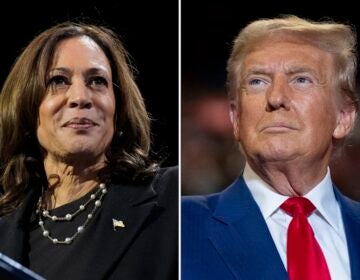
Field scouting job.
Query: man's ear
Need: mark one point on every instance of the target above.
(234, 118)
(345, 121)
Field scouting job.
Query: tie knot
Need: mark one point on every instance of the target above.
(295, 206)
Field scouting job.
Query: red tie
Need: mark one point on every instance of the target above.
(305, 260)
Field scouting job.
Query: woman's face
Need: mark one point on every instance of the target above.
(76, 117)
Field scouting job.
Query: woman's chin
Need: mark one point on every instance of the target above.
(80, 155)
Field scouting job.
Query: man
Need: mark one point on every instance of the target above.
(292, 95)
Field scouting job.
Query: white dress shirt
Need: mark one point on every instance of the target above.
(326, 221)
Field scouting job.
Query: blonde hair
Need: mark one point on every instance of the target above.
(335, 38)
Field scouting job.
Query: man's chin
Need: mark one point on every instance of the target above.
(278, 154)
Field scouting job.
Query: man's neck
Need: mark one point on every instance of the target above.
(289, 178)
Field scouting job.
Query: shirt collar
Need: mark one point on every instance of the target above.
(323, 198)
(269, 201)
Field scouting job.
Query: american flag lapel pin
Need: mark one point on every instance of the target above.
(118, 224)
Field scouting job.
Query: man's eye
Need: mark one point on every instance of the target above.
(303, 83)
(255, 82)
(303, 80)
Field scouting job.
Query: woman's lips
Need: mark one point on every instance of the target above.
(80, 123)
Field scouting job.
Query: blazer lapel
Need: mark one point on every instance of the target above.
(240, 235)
(129, 207)
(351, 218)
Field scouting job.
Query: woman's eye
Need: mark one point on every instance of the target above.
(97, 82)
(58, 81)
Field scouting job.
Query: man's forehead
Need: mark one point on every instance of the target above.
(288, 56)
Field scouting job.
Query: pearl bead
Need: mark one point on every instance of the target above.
(102, 190)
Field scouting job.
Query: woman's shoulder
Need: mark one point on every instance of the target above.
(163, 185)
(166, 179)
(167, 174)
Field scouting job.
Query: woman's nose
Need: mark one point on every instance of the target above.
(79, 96)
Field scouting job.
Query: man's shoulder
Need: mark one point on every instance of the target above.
(347, 204)
(194, 207)
(206, 204)
(196, 212)
(353, 203)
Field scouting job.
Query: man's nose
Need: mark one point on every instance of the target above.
(278, 95)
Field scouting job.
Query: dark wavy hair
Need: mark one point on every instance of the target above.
(21, 162)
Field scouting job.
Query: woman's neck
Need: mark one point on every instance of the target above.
(68, 181)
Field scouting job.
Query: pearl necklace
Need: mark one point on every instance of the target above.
(68, 217)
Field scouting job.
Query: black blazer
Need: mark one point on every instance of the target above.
(146, 248)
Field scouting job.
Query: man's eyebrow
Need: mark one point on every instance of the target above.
(300, 69)
(257, 69)
(264, 70)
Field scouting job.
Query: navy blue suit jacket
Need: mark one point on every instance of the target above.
(224, 236)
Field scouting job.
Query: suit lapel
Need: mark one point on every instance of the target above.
(240, 235)
(351, 218)
(132, 206)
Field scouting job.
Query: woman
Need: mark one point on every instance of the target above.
(81, 199)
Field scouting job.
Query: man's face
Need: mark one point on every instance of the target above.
(287, 107)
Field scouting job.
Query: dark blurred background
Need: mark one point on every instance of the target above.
(149, 31)
(210, 156)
